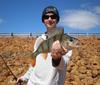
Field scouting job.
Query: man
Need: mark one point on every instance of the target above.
(49, 69)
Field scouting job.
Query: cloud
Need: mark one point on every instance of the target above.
(86, 5)
(97, 9)
(80, 19)
(1, 21)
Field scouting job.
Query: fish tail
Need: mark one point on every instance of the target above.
(33, 62)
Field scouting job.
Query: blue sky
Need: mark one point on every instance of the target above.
(24, 16)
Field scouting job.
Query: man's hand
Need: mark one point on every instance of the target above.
(19, 81)
(56, 50)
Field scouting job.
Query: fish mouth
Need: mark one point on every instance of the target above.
(69, 42)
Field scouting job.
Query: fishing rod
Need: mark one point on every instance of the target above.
(18, 83)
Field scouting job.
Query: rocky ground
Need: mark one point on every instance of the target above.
(83, 68)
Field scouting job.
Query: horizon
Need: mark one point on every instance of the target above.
(38, 34)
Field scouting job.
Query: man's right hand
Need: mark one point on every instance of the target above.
(19, 81)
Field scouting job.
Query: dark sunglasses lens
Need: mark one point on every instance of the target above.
(47, 17)
(53, 17)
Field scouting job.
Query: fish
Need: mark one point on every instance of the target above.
(58, 34)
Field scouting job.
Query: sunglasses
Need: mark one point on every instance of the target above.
(51, 16)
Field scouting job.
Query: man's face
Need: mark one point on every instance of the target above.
(50, 20)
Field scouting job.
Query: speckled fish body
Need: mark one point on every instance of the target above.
(45, 46)
(58, 34)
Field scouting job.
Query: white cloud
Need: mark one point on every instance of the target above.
(86, 5)
(1, 21)
(80, 19)
(97, 9)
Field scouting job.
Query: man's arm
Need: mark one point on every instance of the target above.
(59, 54)
(26, 76)
(56, 52)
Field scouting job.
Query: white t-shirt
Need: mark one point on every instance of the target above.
(44, 73)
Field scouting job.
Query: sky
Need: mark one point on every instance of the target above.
(24, 16)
